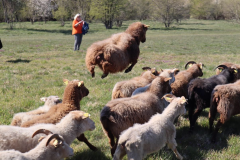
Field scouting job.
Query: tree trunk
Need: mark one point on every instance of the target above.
(5, 11)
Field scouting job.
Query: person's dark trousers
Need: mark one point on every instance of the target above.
(78, 40)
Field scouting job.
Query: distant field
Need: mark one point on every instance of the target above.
(35, 59)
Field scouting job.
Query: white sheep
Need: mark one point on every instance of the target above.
(70, 127)
(22, 117)
(53, 147)
(142, 139)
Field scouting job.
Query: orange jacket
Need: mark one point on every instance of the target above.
(77, 29)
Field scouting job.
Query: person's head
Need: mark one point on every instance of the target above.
(77, 17)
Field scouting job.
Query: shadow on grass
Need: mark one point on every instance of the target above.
(179, 28)
(90, 155)
(19, 61)
(195, 24)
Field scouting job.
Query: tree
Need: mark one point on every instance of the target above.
(141, 9)
(106, 10)
(167, 11)
(231, 9)
(61, 14)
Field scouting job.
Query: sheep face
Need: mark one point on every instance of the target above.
(75, 89)
(138, 30)
(83, 119)
(51, 100)
(61, 148)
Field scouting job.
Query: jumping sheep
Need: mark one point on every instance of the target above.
(225, 100)
(142, 139)
(200, 90)
(53, 147)
(125, 88)
(73, 93)
(120, 114)
(70, 127)
(114, 54)
(182, 79)
(22, 117)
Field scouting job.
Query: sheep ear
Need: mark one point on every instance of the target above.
(167, 79)
(40, 138)
(65, 81)
(55, 143)
(146, 68)
(201, 66)
(235, 71)
(168, 97)
(147, 26)
(85, 115)
(183, 100)
(175, 71)
(43, 99)
(80, 84)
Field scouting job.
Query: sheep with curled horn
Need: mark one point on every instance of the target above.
(182, 79)
(50, 147)
(126, 88)
(228, 64)
(114, 54)
(200, 90)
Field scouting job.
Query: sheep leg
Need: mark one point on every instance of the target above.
(211, 116)
(113, 149)
(173, 145)
(82, 138)
(106, 66)
(218, 125)
(130, 68)
(194, 118)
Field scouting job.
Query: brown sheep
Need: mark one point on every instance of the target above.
(228, 64)
(180, 85)
(114, 54)
(73, 93)
(126, 88)
(120, 114)
(224, 100)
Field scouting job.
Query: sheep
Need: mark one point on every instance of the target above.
(142, 139)
(22, 117)
(49, 148)
(224, 100)
(164, 73)
(228, 64)
(180, 85)
(114, 54)
(73, 93)
(120, 114)
(70, 127)
(125, 88)
(199, 91)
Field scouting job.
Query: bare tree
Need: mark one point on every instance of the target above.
(167, 11)
(231, 9)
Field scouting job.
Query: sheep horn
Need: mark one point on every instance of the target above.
(47, 132)
(190, 62)
(147, 26)
(223, 66)
(52, 137)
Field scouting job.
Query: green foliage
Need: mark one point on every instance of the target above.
(61, 14)
(35, 58)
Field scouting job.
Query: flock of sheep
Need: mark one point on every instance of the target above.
(138, 120)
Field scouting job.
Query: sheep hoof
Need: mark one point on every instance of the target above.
(104, 75)
(93, 75)
(128, 70)
(94, 148)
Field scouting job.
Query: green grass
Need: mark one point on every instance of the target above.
(35, 59)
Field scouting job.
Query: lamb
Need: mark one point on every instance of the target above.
(73, 93)
(229, 65)
(142, 139)
(199, 91)
(180, 85)
(125, 88)
(70, 127)
(49, 148)
(164, 73)
(114, 54)
(224, 100)
(120, 114)
(22, 117)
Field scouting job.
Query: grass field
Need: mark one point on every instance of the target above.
(36, 58)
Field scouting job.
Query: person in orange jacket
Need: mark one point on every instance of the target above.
(77, 31)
